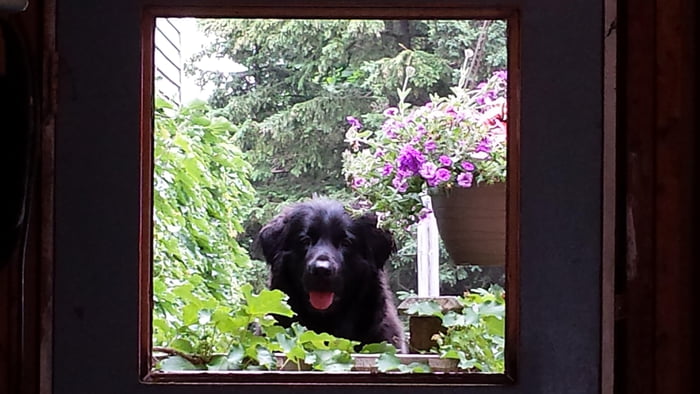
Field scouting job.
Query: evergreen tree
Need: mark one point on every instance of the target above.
(302, 78)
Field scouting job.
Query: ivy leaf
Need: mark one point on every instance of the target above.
(495, 326)
(182, 345)
(492, 309)
(235, 356)
(264, 357)
(316, 340)
(268, 301)
(332, 360)
(377, 348)
(425, 308)
(388, 362)
(177, 363)
(452, 319)
(190, 314)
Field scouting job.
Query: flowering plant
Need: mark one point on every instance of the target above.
(454, 141)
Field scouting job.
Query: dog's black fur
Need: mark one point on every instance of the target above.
(317, 246)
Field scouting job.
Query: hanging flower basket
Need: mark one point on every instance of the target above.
(472, 223)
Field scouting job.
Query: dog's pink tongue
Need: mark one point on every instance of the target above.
(321, 300)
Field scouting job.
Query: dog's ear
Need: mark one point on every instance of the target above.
(379, 241)
(271, 237)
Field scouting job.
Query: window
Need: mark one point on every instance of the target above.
(285, 98)
(554, 307)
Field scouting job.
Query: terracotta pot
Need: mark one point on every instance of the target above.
(472, 223)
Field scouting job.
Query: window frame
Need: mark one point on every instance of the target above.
(509, 14)
(98, 171)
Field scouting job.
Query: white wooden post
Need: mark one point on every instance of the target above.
(428, 254)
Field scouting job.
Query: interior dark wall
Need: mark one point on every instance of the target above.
(656, 331)
(97, 199)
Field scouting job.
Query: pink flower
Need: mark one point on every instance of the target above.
(391, 111)
(468, 166)
(445, 160)
(387, 169)
(358, 182)
(442, 175)
(465, 179)
(428, 170)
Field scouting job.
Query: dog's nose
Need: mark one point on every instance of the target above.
(321, 267)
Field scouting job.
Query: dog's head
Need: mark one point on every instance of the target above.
(317, 252)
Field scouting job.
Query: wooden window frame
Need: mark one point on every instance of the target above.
(308, 11)
(98, 201)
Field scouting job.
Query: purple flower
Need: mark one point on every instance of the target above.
(451, 112)
(428, 170)
(399, 184)
(465, 179)
(379, 153)
(389, 128)
(420, 130)
(410, 159)
(445, 160)
(484, 146)
(468, 166)
(442, 175)
(430, 146)
(391, 111)
(358, 182)
(387, 170)
(501, 74)
(354, 122)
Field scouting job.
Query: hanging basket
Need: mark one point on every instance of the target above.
(472, 223)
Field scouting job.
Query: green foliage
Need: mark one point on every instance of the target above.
(200, 193)
(475, 335)
(303, 77)
(275, 135)
(250, 338)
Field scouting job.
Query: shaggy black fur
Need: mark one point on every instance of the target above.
(317, 248)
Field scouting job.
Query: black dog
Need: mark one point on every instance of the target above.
(331, 267)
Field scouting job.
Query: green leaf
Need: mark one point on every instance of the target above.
(264, 357)
(268, 301)
(177, 363)
(388, 362)
(495, 325)
(332, 360)
(182, 345)
(219, 363)
(376, 348)
(425, 308)
(416, 367)
(235, 356)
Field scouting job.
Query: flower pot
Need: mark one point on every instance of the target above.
(472, 223)
(422, 328)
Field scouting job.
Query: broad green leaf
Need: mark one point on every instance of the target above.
(177, 363)
(376, 348)
(182, 345)
(190, 314)
(425, 308)
(388, 362)
(268, 301)
(495, 326)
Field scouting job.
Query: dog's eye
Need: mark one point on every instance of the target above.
(305, 240)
